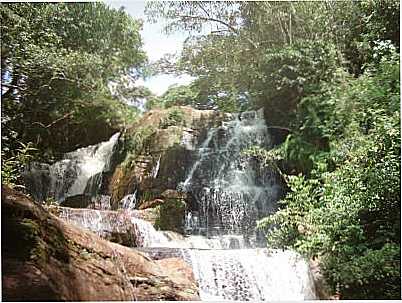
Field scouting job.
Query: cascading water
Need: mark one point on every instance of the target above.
(112, 224)
(251, 274)
(229, 192)
(129, 201)
(78, 173)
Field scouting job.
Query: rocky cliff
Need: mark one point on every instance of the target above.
(158, 151)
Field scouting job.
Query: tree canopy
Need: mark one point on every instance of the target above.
(271, 53)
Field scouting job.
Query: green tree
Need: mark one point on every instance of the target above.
(346, 209)
(232, 47)
(178, 95)
(57, 59)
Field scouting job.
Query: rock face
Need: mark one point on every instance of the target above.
(168, 139)
(47, 259)
(122, 227)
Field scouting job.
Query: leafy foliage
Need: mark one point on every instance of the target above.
(271, 54)
(179, 95)
(13, 166)
(57, 59)
(175, 117)
(328, 72)
(347, 211)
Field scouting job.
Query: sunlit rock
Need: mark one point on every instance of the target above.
(47, 259)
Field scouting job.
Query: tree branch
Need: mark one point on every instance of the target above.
(10, 86)
(279, 127)
(230, 27)
(203, 9)
(55, 121)
(60, 119)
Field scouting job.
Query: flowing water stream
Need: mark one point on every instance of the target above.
(230, 192)
(78, 173)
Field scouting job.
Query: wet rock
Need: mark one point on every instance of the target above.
(115, 226)
(124, 182)
(322, 288)
(171, 215)
(100, 202)
(173, 236)
(110, 225)
(151, 204)
(167, 151)
(58, 261)
(162, 252)
(278, 134)
(169, 194)
(173, 194)
(78, 201)
(178, 266)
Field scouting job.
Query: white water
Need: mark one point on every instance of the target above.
(129, 201)
(94, 220)
(100, 202)
(251, 274)
(227, 270)
(201, 242)
(155, 169)
(104, 223)
(201, 157)
(231, 192)
(146, 235)
(78, 173)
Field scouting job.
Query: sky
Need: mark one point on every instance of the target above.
(156, 44)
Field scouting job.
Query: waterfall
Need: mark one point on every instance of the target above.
(129, 201)
(155, 169)
(146, 235)
(79, 172)
(201, 242)
(96, 221)
(109, 224)
(231, 193)
(251, 274)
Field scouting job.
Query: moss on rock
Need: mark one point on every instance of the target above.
(171, 215)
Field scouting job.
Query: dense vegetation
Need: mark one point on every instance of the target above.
(329, 72)
(57, 61)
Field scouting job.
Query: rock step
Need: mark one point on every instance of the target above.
(116, 226)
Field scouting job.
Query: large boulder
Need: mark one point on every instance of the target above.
(170, 215)
(122, 226)
(47, 259)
